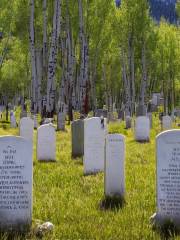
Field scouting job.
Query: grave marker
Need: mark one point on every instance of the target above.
(26, 127)
(77, 134)
(94, 145)
(46, 143)
(142, 129)
(166, 122)
(15, 183)
(168, 178)
(114, 165)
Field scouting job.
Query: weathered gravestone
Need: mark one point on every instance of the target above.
(26, 127)
(168, 178)
(46, 143)
(13, 120)
(77, 134)
(61, 121)
(166, 122)
(128, 122)
(114, 165)
(94, 144)
(141, 110)
(15, 183)
(142, 129)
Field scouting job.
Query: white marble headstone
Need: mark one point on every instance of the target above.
(114, 165)
(168, 177)
(15, 182)
(94, 145)
(142, 129)
(166, 122)
(46, 143)
(26, 128)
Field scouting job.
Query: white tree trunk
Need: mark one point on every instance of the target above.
(39, 77)
(33, 57)
(144, 76)
(53, 56)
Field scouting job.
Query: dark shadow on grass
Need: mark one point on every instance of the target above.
(77, 161)
(112, 203)
(167, 231)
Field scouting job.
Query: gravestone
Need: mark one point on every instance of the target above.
(61, 121)
(142, 129)
(154, 100)
(13, 120)
(141, 110)
(166, 122)
(150, 119)
(77, 134)
(168, 178)
(26, 127)
(121, 114)
(114, 165)
(128, 122)
(46, 143)
(94, 143)
(15, 183)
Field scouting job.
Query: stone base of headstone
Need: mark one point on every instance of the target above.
(161, 222)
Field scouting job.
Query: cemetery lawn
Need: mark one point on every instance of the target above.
(71, 201)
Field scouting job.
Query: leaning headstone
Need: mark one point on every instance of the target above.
(142, 129)
(114, 165)
(94, 143)
(61, 119)
(168, 178)
(166, 122)
(15, 183)
(13, 120)
(128, 122)
(26, 127)
(141, 110)
(46, 143)
(77, 133)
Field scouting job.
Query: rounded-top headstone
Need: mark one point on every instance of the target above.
(26, 127)
(142, 129)
(46, 143)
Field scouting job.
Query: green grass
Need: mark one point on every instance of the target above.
(73, 202)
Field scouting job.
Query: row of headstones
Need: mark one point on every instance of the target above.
(61, 118)
(16, 170)
(106, 152)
